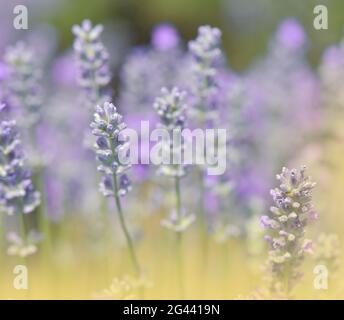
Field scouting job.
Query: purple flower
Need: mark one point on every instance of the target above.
(24, 83)
(64, 71)
(205, 57)
(139, 87)
(291, 34)
(165, 37)
(108, 124)
(111, 150)
(331, 76)
(265, 222)
(333, 56)
(4, 71)
(92, 61)
(171, 107)
(287, 223)
(17, 194)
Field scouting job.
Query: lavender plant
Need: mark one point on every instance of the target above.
(111, 150)
(285, 66)
(93, 62)
(235, 103)
(25, 98)
(288, 222)
(331, 77)
(93, 69)
(206, 54)
(170, 107)
(25, 91)
(164, 55)
(17, 193)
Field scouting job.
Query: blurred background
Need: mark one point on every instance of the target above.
(306, 82)
(246, 24)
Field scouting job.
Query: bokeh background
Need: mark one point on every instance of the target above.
(247, 25)
(80, 267)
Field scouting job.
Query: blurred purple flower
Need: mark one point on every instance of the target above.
(170, 107)
(165, 37)
(64, 71)
(211, 203)
(139, 87)
(291, 34)
(333, 56)
(92, 60)
(24, 83)
(205, 55)
(17, 194)
(4, 71)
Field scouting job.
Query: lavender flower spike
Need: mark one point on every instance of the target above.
(107, 127)
(171, 108)
(92, 59)
(24, 83)
(17, 194)
(206, 53)
(111, 153)
(287, 223)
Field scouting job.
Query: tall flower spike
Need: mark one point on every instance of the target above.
(287, 223)
(93, 61)
(24, 83)
(17, 194)
(111, 150)
(171, 107)
(206, 53)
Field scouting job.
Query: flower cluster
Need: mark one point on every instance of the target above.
(331, 76)
(17, 194)
(24, 83)
(111, 150)
(138, 87)
(206, 54)
(171, 107)
(93, 61)
(288, 221)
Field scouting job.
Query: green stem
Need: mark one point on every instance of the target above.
(179, 237)
(203, 218)
(178, 198)
(124, 228)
